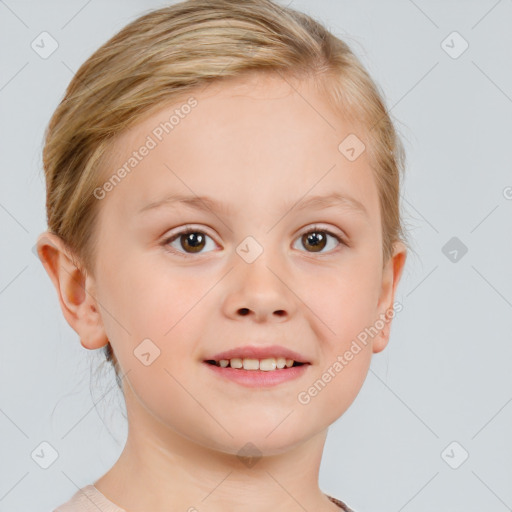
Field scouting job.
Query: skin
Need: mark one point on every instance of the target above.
(253, 144)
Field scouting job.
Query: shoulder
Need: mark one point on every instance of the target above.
(79, 502)
(341, 504)
(88, 499)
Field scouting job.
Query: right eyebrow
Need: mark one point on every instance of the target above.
(196, 202)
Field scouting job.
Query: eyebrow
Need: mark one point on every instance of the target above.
(205, 203)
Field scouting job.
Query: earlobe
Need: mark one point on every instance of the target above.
(75, 290)
(390, 278)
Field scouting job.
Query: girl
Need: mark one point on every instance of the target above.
(223, 220)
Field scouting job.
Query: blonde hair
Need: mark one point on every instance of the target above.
(168, 53)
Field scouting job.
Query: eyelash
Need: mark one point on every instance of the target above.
(314, 229)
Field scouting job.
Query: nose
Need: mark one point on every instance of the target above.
(259, 292)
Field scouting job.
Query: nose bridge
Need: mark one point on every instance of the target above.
(257, 273)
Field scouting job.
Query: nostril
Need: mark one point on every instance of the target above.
(244, 311)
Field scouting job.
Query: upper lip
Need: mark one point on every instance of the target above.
(259, 352)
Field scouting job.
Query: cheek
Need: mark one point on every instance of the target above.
(337, 382)
(169, 395)
(151, 300)
(345, 305)
(343, 300)
(145, 310)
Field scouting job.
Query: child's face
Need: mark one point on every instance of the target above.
(259, 149)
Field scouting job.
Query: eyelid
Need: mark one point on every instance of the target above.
(185, 229)
(318, 227)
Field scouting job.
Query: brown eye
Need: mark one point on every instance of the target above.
(190, 241)
(315, 240)
(194, 241)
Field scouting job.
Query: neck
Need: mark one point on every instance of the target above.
(160, 469)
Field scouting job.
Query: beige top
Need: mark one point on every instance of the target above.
(89, 499)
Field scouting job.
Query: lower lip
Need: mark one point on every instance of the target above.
(259, 378)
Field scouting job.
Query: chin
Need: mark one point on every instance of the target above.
(261, 439)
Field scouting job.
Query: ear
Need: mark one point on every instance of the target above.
(74, 288)
(391, 274)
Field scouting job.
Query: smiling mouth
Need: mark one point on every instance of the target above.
(269, 364)
(257, 373)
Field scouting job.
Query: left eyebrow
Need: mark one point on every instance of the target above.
(205, 203)
(333, 199)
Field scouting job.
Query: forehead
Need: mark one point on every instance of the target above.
(258, 135)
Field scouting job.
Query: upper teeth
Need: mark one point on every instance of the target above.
(266, 365)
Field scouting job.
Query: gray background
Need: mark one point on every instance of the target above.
(445, 376)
